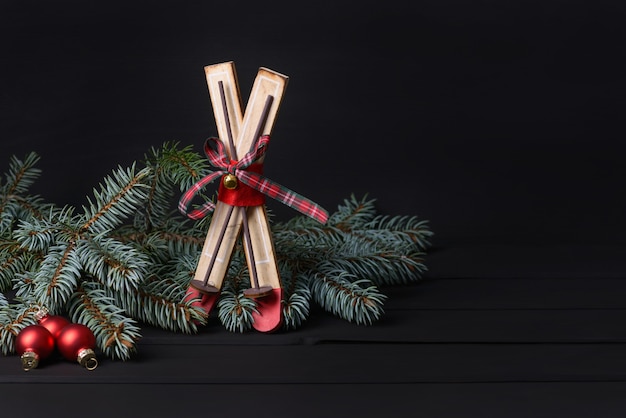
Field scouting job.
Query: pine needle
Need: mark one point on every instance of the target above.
(127, 257)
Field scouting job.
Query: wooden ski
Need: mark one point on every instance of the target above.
(227, 222)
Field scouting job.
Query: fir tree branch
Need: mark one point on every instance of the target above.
(58, 277)
(182, 166)
(120, 195)
(171, 167)
(111, 274)
(297, 299)
(13, 204)
(158, 199)
(343, 294)
(397, 230)
(160, 303)
(14, 263)
(353, 214)
(180, 242)
(116, 335)
(13, 319)
(381, 268)
(21, 175)
(39, 234)
(234, 309)
(116, 265)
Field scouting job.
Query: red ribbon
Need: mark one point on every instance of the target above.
(242, 195)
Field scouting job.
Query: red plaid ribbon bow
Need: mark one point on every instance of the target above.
(219, 159)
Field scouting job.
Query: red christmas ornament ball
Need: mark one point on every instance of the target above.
(34, 343)
(54, 324)
(76, 342)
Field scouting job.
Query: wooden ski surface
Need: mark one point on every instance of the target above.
(243, 128)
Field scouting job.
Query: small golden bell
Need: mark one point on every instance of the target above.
(230, 181)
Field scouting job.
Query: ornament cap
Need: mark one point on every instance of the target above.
(30, 360)
(41, 313)
(87, 358)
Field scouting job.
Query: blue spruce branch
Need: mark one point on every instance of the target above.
(128, 257)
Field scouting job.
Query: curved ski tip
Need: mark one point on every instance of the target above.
(206, 300)
(269, 317)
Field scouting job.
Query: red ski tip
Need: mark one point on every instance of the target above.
(207, 300)
(269, 317)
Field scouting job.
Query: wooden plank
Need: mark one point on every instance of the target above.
(217, 272)
(225, 74)
(267, 83)
(471, 327)
(309, 400)
(528, 262)
(512, 293)
(428, 326)
(343, 364)
(479, 326)
(243, 127)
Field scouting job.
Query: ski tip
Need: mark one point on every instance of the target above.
(206, 301)
(269, 317)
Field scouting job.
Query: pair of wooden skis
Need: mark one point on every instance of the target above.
(239, 131)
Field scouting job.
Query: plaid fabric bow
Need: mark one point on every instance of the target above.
(219, 159)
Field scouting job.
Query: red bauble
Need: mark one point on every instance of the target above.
(54, 324)
(76, 342)
(33, 343)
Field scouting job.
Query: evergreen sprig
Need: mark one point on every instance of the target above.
(116, 334)
(345, 262)
(15, 203)
(160, 302)
(173, 168)
(344, 294)
(297, 298)
(119, 197)
(126, 257)
(13, 319)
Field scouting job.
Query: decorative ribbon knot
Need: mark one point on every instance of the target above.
(252, 186)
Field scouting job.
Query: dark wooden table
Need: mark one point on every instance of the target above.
(490, 332)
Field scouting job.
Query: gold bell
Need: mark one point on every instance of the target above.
(230, 181)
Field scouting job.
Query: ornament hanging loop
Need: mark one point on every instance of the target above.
(87, 358)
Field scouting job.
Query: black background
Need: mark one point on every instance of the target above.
(500, 122)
